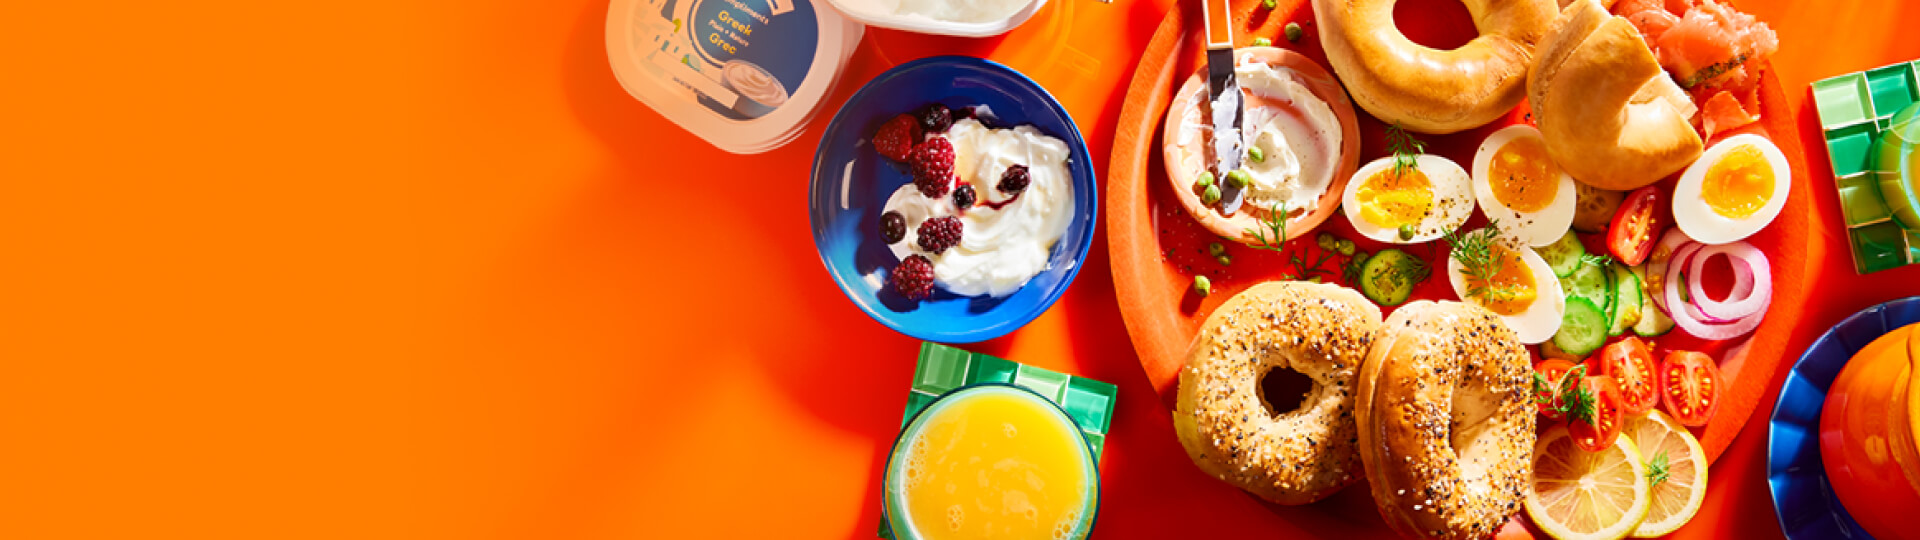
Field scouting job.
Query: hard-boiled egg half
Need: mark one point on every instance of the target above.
(1512, 281)
(1411, 205)
(1736, 188)
(1521, 188)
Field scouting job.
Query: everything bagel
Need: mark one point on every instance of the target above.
(1288, 457)
(1426, 89)
(1446, 421)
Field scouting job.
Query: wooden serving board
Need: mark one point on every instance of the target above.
(1157, 247)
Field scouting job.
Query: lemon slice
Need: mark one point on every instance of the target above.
(1677, 498)
(1580, 495)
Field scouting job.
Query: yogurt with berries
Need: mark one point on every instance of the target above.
(1009, 192)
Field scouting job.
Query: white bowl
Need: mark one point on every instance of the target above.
(877, 13)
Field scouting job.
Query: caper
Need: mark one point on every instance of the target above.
(1224, 259)
(1206, 179)
(1326, 241)
(1344, 246)
(1262, 42)
(1270, 4)
(1238, 178)
(1211, 195)
(1216, 249)
(1202, 286)
(1256, 154)
(1406, 233)
(1293, 31)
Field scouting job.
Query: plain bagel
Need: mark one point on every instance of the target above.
(1426, 89)
(1446, 421)
(1611, 117)
(1222, 418)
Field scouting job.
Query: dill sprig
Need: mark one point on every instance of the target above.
(1276, 223)
(1406, 150)
(1576, 402)
(1657, 469)
(1303, 270)
(1600, 261)
(1474, 250)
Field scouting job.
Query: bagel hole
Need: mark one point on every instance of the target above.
(1440, 24)
(1472, 410)
(1283, 391)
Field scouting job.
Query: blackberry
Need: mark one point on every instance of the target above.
(932, 163)
(938, 234)
(893, 227)
(963, 196)
(936, 118)
(914, 277)
(1015, 179)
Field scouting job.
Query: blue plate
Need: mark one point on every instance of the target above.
(1802, 498)
(851, 183)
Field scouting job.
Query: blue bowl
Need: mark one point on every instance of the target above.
(1802, 498)
(851, 183)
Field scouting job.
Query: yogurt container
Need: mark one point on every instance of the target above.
(746, 75)
(968, 18)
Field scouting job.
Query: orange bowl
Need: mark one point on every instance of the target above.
(1867, 435)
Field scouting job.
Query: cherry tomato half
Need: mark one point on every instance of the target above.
(1595, 431)
(1637, 225)
(1546, 387)
(1630, 363)
(1691, 383)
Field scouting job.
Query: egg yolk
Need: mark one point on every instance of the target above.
(1512, 289)
(1739, 184)
(1389, 200)
(1522, 177)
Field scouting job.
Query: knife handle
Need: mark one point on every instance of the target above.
(1219, 20)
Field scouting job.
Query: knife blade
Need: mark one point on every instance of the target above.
(1223, 100)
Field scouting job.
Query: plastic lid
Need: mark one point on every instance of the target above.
(746, 75)
(883, 13)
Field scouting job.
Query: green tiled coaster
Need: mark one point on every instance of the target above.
(942, 369)
(1855, 109)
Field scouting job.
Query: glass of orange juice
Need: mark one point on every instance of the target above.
(991, 461)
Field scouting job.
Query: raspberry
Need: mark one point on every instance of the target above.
(1015, 179)
(893, 227)
(914, 277)
(963, 196)
(933, 166)
(936, 118)
(895, 138)
(938, 234)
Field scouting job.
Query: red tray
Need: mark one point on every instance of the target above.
(1157, 248)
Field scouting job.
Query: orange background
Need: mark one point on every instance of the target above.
(371, 270)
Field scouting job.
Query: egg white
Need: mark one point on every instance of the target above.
(1452, 204)
(1541, 319)
(1536, 228)
(1698, 220)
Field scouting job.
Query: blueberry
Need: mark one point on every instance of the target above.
(936, 118)
(893, 227)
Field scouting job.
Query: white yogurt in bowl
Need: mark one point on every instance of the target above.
(1006, 238)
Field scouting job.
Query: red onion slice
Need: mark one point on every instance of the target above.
(1658, 261)
(1692, 319)
(1676, 266)
(1752, 286)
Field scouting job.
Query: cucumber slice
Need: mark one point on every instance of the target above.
(1549, 350)
(1590, 282)
(1388, 277)
(1583, 329)
(1563, 254)
(1653, 322)
(1627, 297)
(1594, 207)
